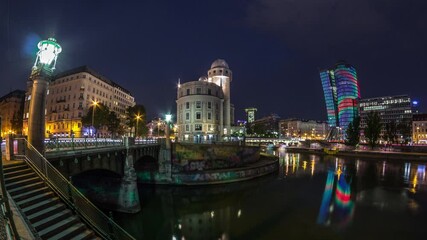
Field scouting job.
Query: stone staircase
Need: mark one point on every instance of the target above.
(48, 215)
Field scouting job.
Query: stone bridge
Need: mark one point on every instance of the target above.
(73, 162)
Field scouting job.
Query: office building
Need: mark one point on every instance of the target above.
(342, 94)
(250, 114)
(391, 109)
(301, 128)
(71, 94)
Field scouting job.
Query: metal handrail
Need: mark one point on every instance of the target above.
(100, 223)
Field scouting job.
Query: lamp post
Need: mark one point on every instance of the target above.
(168, 119)
(138, 117)
(158, 128)
(40, 77)
(94, 104)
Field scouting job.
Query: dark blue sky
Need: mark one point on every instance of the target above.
(274, 47)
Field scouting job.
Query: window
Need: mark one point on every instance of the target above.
(209, 91)
(188, 91)
(187, 105)
(198, 104)
(198, 115)
(209, 105)
(187, 128)
(198, 90)
(198, 127)
(187, 116)
(209, 116)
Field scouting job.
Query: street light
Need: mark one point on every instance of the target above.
(94, 104)
(138, 117)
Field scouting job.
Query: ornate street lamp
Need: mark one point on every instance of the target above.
(40, 77)
(47, 54)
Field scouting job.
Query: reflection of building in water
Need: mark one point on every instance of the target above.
(337, 204)
(295, 165)
(213, 224)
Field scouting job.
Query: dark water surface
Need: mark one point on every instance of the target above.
(311, 197)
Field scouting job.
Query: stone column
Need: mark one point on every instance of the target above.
(36, 119)
(165, 157)
(128, 201)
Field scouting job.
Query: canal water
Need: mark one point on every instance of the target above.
(310, 197)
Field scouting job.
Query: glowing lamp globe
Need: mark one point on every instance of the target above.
(47, 54)
(168, 117)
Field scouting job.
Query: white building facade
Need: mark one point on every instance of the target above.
(204, 111)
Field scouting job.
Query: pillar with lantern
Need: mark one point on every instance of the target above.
(41, 75)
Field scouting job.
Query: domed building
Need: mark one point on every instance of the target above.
(204, 111)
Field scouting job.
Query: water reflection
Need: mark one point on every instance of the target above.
(311, 197)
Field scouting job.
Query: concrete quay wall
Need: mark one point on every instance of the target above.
(386, 155)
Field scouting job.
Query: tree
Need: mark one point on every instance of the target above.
(102, 118)
(353, 132)
(404, 128)
(16, 122)
(113, 124)
(373, 129)
(390, 131)
(132, 122)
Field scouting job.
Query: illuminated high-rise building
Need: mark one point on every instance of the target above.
(342, 95)
(250, 113)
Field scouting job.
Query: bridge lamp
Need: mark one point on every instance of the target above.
(94, 104)
(47, 54)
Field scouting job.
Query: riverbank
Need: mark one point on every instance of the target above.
(387, 155)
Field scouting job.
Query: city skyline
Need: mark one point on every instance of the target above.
(274, 53)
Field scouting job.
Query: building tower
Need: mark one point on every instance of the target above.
(341, 91)
(221, 75)
(348, 93)
(250, 114)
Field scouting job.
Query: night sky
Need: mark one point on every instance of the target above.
(273, 47)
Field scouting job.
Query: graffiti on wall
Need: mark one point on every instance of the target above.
(224, 176)
(197, 157)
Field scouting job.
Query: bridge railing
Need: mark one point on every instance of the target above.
(80, 143)
(86, 143)
(91, 215)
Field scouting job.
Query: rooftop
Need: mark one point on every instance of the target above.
(93, 73)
